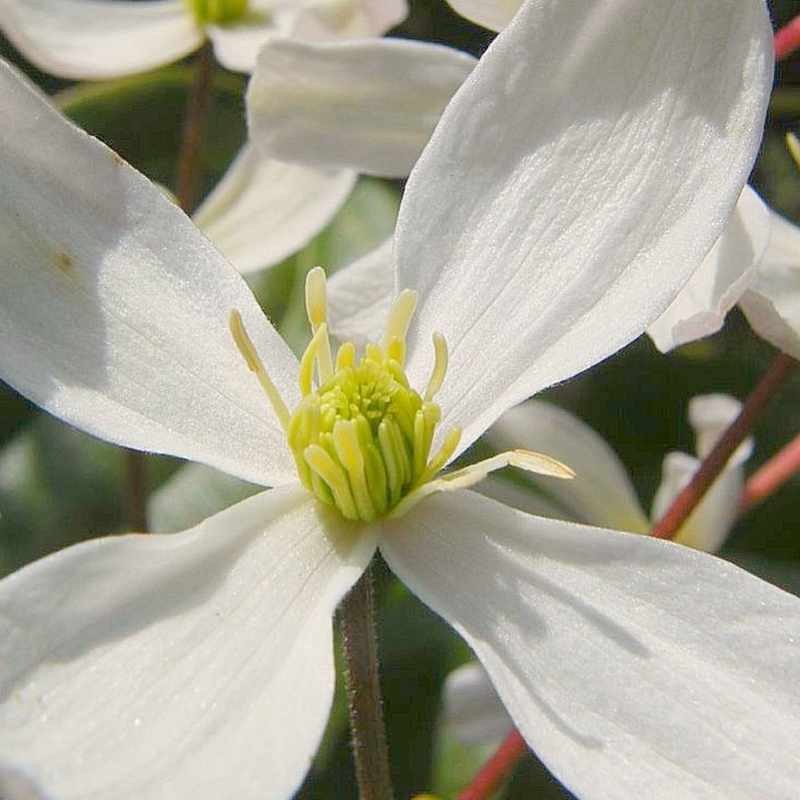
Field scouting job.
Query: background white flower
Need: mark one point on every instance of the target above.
(97, 39)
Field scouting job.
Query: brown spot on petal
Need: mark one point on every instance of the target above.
(63, 262)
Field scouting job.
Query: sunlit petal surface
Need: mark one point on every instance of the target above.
(197, 664)
(633, 667)
(562, 202)
(114, 310)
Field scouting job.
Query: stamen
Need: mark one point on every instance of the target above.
(400, 318)
(334, 476)
(439, 367)
(474, 473)
(248, 351)
(305, 374)
(317, 311)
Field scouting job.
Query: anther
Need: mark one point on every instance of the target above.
(256, 365)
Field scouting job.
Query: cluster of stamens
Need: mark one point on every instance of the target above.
(361, 436)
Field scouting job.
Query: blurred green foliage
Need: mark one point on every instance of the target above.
(59, 486)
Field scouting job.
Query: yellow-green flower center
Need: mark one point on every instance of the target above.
(362, 438)
(217, 12)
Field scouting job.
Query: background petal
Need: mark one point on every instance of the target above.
(360, 297)
(772, 306)
(368, 105)
(491, 14)
(601, 493)
(264, 210)
(114, 309)
(726, 272)
(574, 184)
(633, 667)
(197, 664)
(95, 39)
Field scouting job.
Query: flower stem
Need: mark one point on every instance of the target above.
(497, 768)
(136, 464)
(787, 39)
(766, 480)
(189, 158)
(367, 728)
(715, 462)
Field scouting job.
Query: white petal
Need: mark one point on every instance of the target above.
(347, 19)
(601, 493)
(369, 105)
(491, 14)
(264, 210)
(562, 202)
(473, 712)
(710, 415)
(95, 39)
(236, 46)
(360, 297)
(709, 524)
(186, 665)
(114, 309)
(772, 305)
(633, 667)
(193, 494)
(726, 272)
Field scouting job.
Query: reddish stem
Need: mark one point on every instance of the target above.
(772, 475)
(715, 462)
(497, 768)
(787, 39)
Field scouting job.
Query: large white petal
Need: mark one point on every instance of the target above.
(264, 210)
(601, 493)
(114, 309)
(95, 39)
(726, 272)
(633, 667)
(369, 105)
(772, 305)
(360, 297)
(185, 665)
(563, 201)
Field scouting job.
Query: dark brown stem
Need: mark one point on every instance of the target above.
(189, 158)
(136, 512)
(715, 462)
(367, 728)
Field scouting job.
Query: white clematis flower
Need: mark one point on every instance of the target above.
(98, 39)
(755, 263)
(602, 492)
(541, 230)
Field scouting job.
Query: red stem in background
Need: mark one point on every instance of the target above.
(715, 462)
(787, 39)
(497, 768)
(766, 480)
